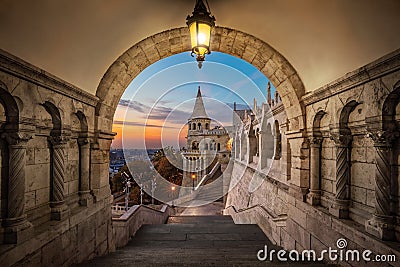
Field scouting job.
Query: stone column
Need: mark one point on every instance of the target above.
(342, 139)
(382, 223)
(314, 197)
(262, 158)
(277, 145)
(17, 227)
(257, 145)
(237, 147)
(59, 210)
(252, 147)
(85, 198)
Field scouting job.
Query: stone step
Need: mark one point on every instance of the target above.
(210, 240)
(200, 219)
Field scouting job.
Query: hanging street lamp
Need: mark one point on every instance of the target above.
(200, 24)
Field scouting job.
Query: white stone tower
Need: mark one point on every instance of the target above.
(204, 144)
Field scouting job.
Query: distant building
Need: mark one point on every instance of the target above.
(206, 144)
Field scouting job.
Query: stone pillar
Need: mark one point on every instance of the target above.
(85, 198)
(237, 147)
(342, 139)
(262, 158)
(277, 146)
(59, 210)
(257, 145)
(17, 227)
(382, 223)
(314, 196)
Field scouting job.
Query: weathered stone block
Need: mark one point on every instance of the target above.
(358, 194)
(37, 176)
(73, 187)
(371, 198)
(363, 175)
(52, 253)
(42, 196)
(29, 156)
(299, 215)
(30, 199)
(101, 234)
(287, 241)
(298, 233)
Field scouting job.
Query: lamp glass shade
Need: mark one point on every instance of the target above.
(200, 38)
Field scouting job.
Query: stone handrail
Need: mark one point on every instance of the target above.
(209, 175)
(259, 215)
(127, 225)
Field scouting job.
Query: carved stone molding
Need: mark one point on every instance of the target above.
(83, 141)
(340, 138)
(315, 141)
(17, 138)
(383, 138)
(59, 140)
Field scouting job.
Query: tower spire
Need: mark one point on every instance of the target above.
(199, 111)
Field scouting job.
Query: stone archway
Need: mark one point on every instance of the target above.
(174, 41)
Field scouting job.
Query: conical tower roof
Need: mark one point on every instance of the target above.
(199, 111)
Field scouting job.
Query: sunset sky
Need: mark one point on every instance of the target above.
(154, 109)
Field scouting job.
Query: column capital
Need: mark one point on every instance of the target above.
(83, 141)
(383, 138)
(341, 137)
(17, 138)
(315, 140)
(58, 140)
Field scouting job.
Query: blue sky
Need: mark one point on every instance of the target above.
(162, 97)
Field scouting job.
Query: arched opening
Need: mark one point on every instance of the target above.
(269, 142)
(243, 143)
(141, 55)
(57, 143)
(314, 197)
(278, 141)
(134, 60)
(343, 137)
(84, 161)
(9, 118)
(237, 146)
(385, 134)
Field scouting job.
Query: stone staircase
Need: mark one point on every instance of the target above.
(214, 187)
(193, 241)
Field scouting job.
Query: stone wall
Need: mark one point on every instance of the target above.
(346, 168)
(129, 223)
(55, 195)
